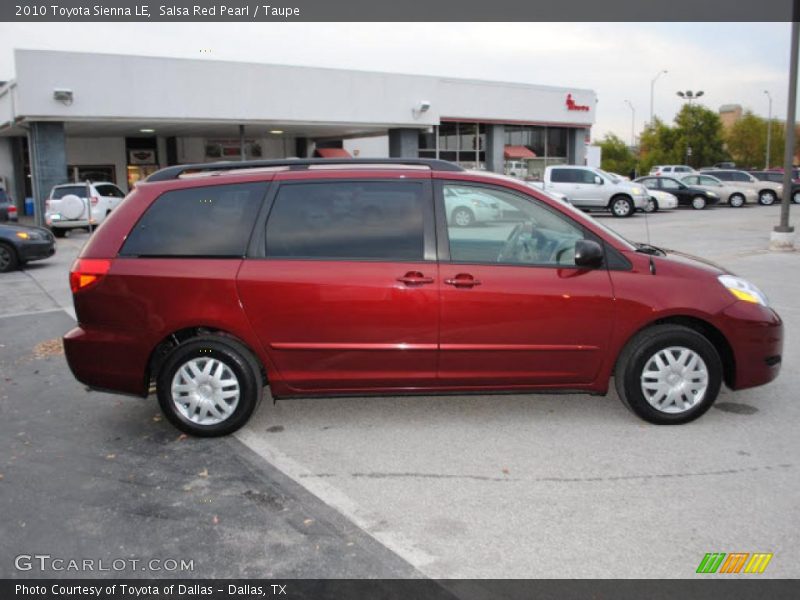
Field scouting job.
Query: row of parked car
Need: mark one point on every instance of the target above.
(666, 187)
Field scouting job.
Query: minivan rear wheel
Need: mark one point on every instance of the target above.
(736, 200)
(209, 386)
(767, 197)
(669, 374)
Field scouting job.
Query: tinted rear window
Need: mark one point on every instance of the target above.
(372, 220)
(211, 221)
(562, 176)
(109, 190)
(75, 190)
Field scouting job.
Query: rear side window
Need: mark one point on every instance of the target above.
(366, 220)
(562, 175)
(109, 191)
(213, 221)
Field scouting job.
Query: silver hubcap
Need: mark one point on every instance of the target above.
(767, 198)
(796, 197)
(737, 201)
(205, 391)
(698, 202)
(674, 380)
(650, 206)
(462, 218)
(621, 207)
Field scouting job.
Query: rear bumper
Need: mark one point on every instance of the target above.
(109, 361)
(756, 337)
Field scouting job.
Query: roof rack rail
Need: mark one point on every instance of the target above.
(298, 164)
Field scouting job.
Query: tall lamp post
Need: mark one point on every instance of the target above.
(782, 237)
(633, 123)
(769, 127)
(689, 96)
(652, 87)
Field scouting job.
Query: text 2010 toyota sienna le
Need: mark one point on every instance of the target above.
(323, 278)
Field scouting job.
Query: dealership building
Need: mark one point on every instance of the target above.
(74, 116)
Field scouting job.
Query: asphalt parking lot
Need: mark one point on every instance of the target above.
(511, 486)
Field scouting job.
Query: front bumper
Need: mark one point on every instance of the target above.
(755, 334)
(36, 249)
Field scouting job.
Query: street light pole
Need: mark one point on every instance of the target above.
(633, 123)
(689, 96)
(652, 87)
(769, 127)
(782, 237)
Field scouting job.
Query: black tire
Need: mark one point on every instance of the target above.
(59, 232)
(639, 351)
(9, 261)
(767, 197)
(699, 202)
(462, 217)
(736, 200)
(232, 354)
(651, 206)
(621, 207)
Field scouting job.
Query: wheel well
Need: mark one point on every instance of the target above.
(711, 333)
(176, 338)
(619, 195)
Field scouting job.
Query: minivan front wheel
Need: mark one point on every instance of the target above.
(622, 207)
(209, 386)
(669, 374)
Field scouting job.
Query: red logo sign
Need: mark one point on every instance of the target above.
(572, 106)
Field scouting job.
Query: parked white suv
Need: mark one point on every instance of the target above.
(591, 188)
(672, 170)
(68, 208)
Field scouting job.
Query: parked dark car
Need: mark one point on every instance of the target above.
(696, 197)
(777, 177)
(20, 244)
(345, 277)
(8, 210)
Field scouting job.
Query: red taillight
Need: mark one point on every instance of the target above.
(12, 210)
(87, 272)
(95, 200)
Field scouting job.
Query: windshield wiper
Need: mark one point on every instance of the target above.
(649, 249)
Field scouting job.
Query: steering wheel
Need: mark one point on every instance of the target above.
(514, 243)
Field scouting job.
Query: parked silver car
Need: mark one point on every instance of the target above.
(728, 191)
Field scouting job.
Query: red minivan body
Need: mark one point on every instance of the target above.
(423, 323)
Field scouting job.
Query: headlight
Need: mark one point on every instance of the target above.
(711, 194)
(480, 203)
(32, 235)
(637, 191)
(743, 290)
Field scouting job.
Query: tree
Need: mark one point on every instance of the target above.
(700, 129)
(657, 146)
(747, 141)
(616, 155)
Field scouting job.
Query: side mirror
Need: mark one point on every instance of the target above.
(588, 253)
(598, 180)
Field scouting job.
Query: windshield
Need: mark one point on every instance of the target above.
(607, 175)
(600, 225)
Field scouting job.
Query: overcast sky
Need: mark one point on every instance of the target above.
(730, 62)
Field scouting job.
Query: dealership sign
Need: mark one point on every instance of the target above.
(571, 105)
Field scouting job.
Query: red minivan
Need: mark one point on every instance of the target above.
(349, 277)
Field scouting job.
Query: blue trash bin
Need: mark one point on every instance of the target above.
(28, 206)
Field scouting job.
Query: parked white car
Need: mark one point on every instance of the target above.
(67, 206)
(465, 208)
(590, 188)
(735, 195)
(661, 201)
(672, 170)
